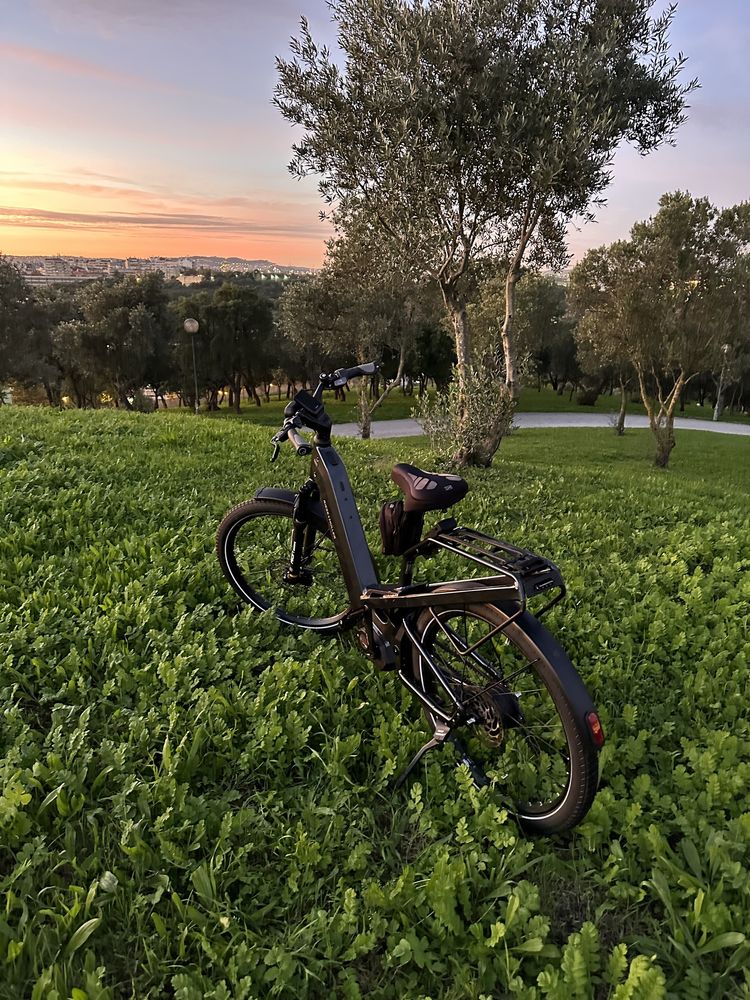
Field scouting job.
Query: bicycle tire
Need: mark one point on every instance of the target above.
(254, 566)
(546, 660)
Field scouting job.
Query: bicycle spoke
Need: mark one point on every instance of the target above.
(262, 550)
(527, 750)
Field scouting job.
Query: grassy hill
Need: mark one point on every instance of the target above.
(196, 803)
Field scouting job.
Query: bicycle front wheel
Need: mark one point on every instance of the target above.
(253, 545)
(524, 705)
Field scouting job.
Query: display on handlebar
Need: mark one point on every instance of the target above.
(303, 400)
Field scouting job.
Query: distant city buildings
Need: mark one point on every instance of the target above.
(61, 269)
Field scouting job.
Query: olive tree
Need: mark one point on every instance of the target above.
(348, 313)
(610, 301)
(666, 300)
(467, 128)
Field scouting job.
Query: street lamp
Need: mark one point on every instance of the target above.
(725, 349)
(191, 326)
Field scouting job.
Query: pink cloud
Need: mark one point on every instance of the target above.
(54, 62)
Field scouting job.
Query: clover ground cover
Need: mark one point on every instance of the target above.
(195, 803)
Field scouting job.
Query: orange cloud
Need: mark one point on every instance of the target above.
(47, 219)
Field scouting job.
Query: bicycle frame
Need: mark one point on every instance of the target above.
(327, 498)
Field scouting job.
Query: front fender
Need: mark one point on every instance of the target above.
(315, 507)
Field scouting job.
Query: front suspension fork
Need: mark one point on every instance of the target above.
(303, 537)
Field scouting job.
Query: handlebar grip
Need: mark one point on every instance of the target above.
(300, 445)
(343, 375)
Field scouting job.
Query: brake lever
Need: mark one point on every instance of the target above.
(276, 450)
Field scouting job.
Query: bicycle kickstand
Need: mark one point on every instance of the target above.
(441, 733)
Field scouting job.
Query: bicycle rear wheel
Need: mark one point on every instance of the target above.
(528, 728)
(253, 545)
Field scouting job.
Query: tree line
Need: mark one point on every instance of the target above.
(663, 316)
(119, 338)
(121, 341)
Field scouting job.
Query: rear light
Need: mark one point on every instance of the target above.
(595, 728)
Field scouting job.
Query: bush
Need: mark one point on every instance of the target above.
(489, 418)
(587, 397)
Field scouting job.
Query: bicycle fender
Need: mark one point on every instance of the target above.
(567, 675)
(289, 496)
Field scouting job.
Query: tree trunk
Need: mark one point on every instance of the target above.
(620, 423)
(462, 338)
(665, 442)
(237, 391)
(461, 334)
(365, 413)
(252, 392)
(662, 420)
(512, 383)
(366, 409)
(720, 390)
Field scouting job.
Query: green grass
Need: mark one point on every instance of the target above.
(546, 400)
(195, 803)
(398, 406)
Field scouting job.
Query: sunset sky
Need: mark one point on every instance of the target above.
(145, 127)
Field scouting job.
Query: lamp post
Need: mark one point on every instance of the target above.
(725, 349)
(191, 326)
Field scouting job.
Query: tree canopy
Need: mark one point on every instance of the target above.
(667, 300)
(464, 128)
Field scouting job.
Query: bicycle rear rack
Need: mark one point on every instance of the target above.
(519, 575)
(533, 574)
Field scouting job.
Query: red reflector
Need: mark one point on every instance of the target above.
(595, 728)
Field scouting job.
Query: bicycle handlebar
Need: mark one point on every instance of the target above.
(289, 433)
(307, 410)
(300, 445)
(342, 375)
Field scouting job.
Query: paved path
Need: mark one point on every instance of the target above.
(410, 428)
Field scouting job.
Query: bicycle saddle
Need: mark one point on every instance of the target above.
(427, 490)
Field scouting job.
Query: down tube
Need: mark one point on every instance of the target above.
(340, 506)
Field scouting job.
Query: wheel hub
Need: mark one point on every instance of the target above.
(497, 710)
